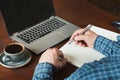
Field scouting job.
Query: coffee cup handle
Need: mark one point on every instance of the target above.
(7, 59)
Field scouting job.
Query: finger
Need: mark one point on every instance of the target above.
(60, 53)
(54, 50)
(49, 49)
(80, 38)
(62, 63)
(77, 42)
(60, 58)
(75, 34)
(72, 37)
(82, 44)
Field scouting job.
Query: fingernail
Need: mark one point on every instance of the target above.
(60, 58)
(75, 38)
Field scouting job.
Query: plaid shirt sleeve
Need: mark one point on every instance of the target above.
(107, 68)
(108, 47)
(44, 71)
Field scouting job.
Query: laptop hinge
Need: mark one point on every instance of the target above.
(52, 17)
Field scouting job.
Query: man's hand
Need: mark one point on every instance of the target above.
(53, 56)
(86, 39)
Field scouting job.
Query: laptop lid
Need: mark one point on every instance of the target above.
(21, 14)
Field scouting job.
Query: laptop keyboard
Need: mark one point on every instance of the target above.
(41, 30)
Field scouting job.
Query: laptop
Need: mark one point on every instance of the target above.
(34, 24)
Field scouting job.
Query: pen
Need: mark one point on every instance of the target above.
(83, 32)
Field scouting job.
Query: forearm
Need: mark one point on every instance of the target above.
(44, 71)
(107, 47)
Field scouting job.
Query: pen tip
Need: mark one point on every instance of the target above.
(70, 42)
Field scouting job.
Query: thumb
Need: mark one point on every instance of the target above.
(62, 63)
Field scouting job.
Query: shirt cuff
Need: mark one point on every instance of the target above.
(45, 67)
(44, 71)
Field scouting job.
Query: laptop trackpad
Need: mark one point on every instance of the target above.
(55, 38)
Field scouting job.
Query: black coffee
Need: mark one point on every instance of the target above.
(14, 48)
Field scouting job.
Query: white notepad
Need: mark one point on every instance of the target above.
(79, 55)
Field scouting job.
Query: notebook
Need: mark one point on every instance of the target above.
(34, 24)
(78, 56)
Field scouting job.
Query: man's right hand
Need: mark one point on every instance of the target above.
(87, 39)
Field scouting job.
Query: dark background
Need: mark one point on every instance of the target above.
(111, 6)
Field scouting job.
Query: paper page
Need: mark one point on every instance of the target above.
(79, 55)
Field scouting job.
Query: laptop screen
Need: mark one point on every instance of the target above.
(21, 14)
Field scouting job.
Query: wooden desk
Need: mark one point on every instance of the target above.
(78, 12)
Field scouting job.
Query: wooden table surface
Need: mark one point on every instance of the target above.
(80, 13)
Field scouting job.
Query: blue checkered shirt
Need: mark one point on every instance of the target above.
(108, 68)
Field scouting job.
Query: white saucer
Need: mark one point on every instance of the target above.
(26, 59)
